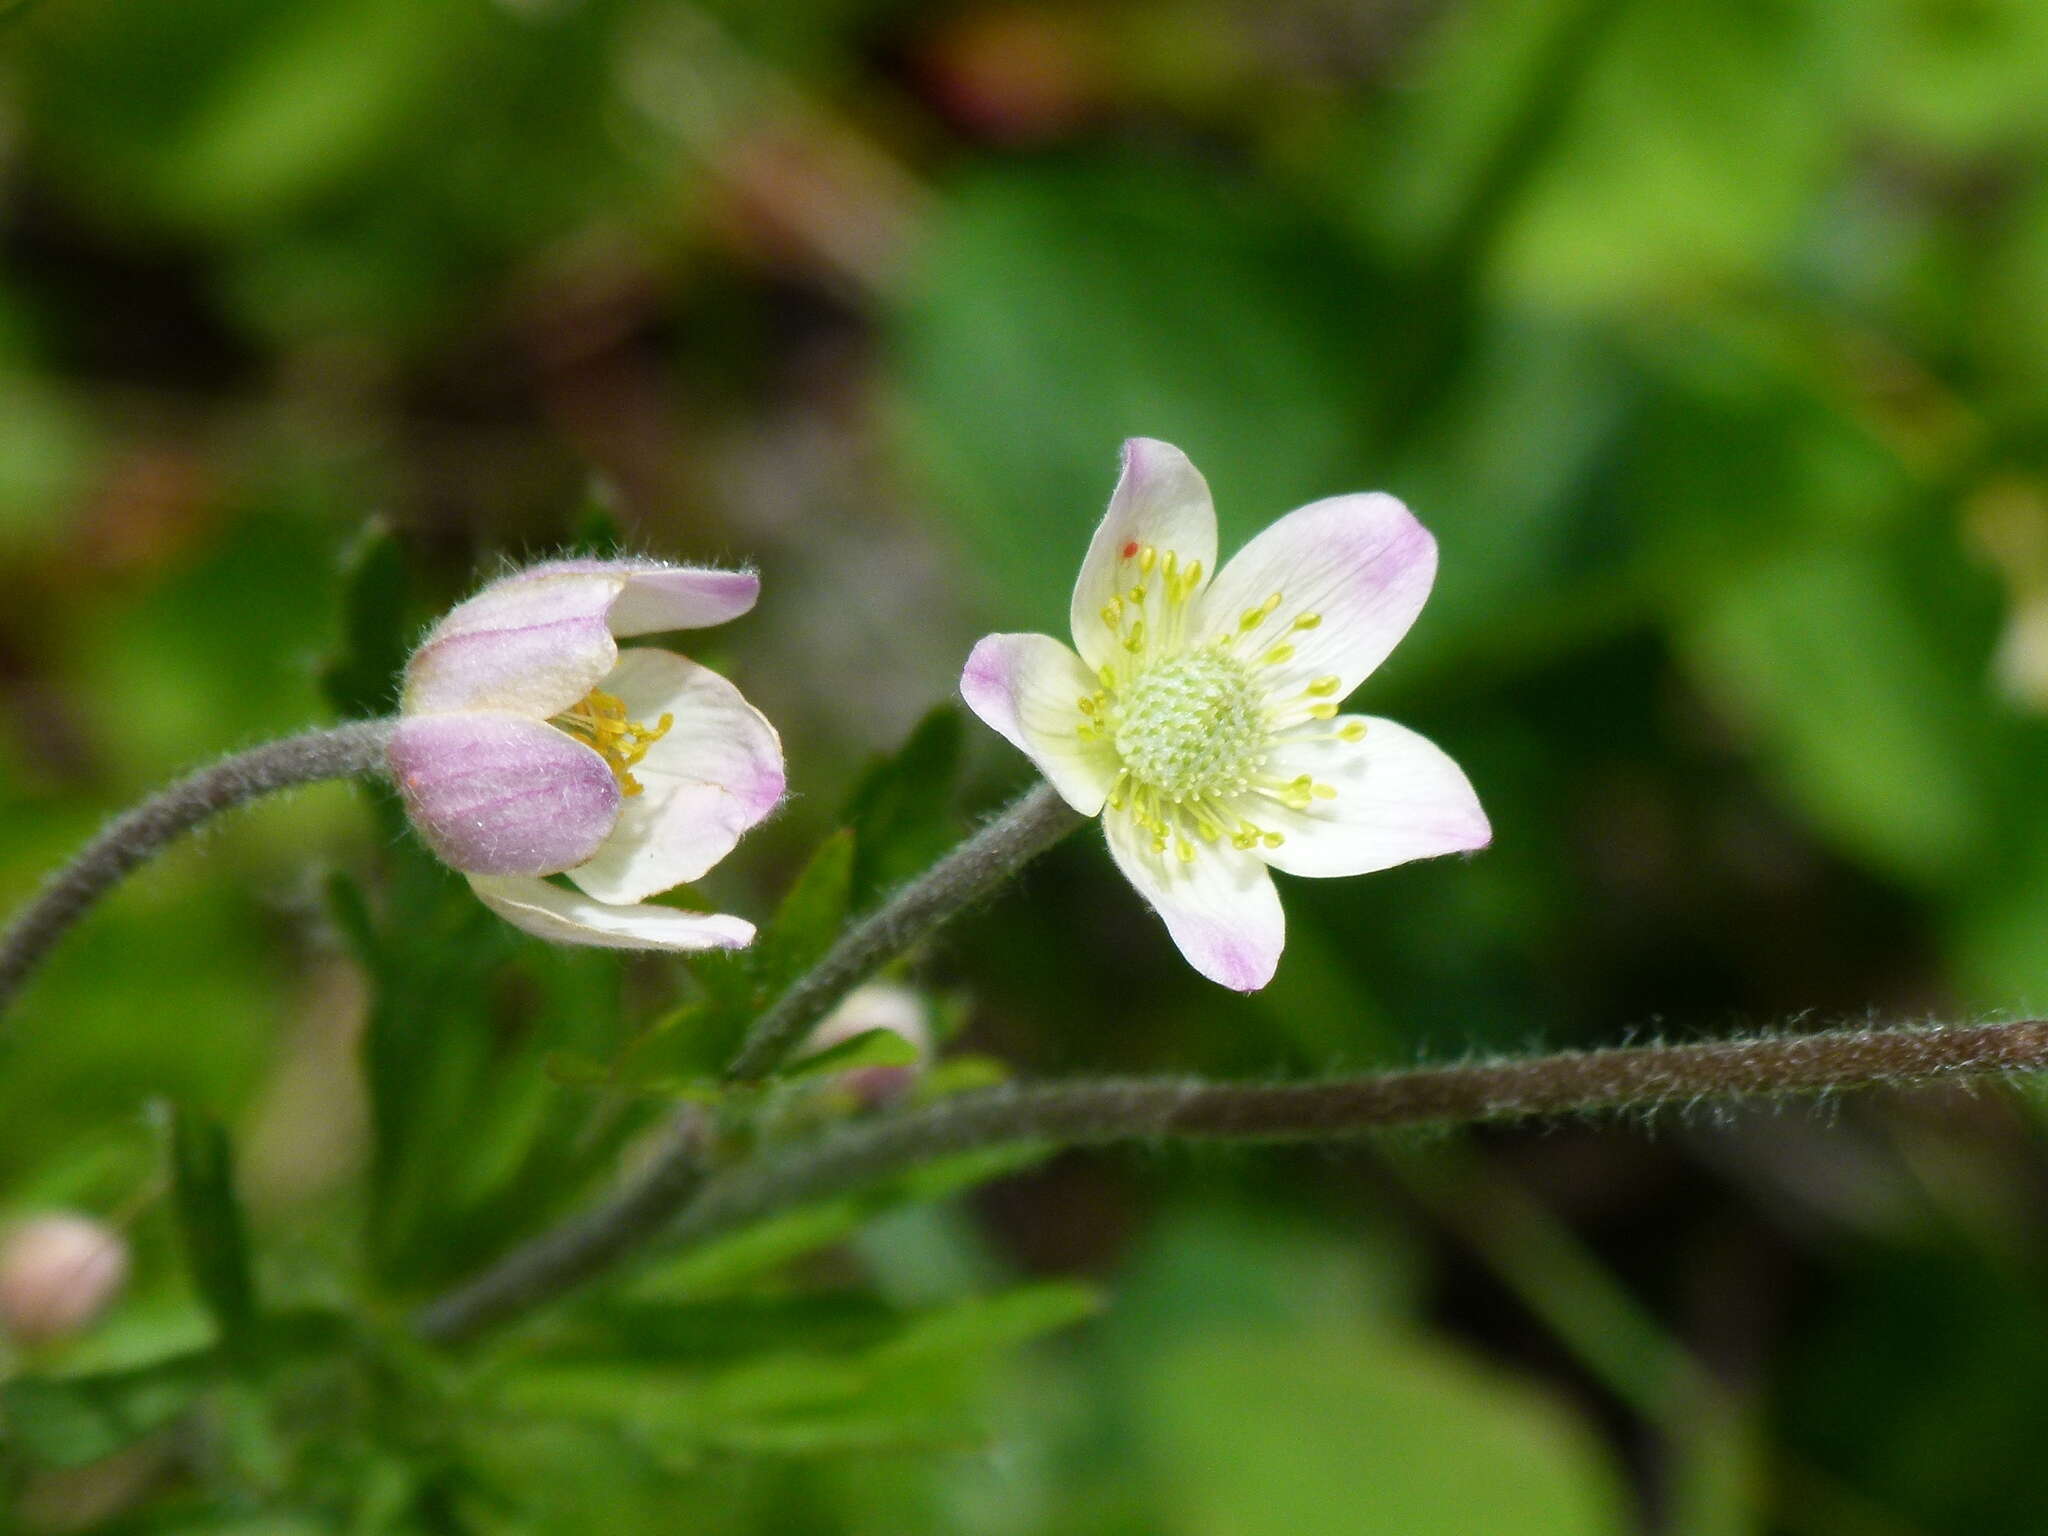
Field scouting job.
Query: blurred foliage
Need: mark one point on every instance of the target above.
(1708, 338)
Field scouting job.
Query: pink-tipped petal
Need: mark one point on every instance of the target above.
(532, 644)
(1360, 566)
(658, 597)
(1161, 501)
(1028, 688)
(568, 917)
(1220, 906)
(1398, 798)
(499, 794)
(716, 772)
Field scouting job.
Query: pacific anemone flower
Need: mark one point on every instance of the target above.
(1201, 718)
(529, 744)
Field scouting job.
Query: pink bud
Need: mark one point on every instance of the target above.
(878, 1005)
(57, 1273)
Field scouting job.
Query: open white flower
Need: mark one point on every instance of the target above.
(1200, 719)
(528, 744)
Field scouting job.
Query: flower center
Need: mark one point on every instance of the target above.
(599, 720)
(1191, 726)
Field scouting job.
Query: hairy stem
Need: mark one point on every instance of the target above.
(1033, 822)
(1148, 1109)
(587, 1245)
(137, 835)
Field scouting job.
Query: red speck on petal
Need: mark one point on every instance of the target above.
(1131, 549)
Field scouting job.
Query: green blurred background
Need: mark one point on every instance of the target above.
(1710, 337)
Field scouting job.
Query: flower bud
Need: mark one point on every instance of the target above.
(57, 1273)
(878, 1005)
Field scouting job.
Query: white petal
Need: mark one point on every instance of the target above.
(1029, 688)
(566, 917)
(1398, 798)
(1220, 906)
(658, 597)
(1362, 565)
(528, 644)
(715, 773)
(1161, 500)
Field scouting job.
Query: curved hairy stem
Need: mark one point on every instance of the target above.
(1033, 823)
(1148, 1109)
(137, 835)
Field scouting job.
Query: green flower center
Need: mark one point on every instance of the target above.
(1191, 726)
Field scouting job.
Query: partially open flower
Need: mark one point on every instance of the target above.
(530, 745)
(1200, 718)
(57, 1273)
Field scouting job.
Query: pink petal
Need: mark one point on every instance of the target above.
(499, 794)
(717, 772)
(567, 917)
(659, 597)
(1398, 798)
(1220, 907)
(1361, 566)
(531, 644)
(1161, 500)
(1028, 689)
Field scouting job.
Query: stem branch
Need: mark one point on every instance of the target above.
(139, 834)
(1146, 1109)
(588, 1244)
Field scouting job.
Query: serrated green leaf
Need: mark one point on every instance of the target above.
(360, 679)
(211, 1227)
(68, 1421)
(869, 1048)
(900, 811)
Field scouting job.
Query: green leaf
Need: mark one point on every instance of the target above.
(900, 811)
(869, 1048)
(211, 1227)
(1363, 1433)
(983, 1324)
(809, 919)
(69, 1421)
(361, 678)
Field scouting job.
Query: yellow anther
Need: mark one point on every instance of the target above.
(1352, 730)
(1277, 655)
(1193, 578)
(1137, 595)
(1113, 612)
(1086, 705)
(1323, 687)
(599, 720)
(1169, 565)
(1135, 640)
(1158, 843)
(1326, 791)
(1147, 558)
(1116, 802)
(1270, 604)
(1252, 618)
(1274, 839)
(1246, 840)
(1185, 849)
(1323, 711)
(1307, 620)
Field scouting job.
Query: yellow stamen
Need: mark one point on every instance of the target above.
(1323, 687)
(599, 720)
